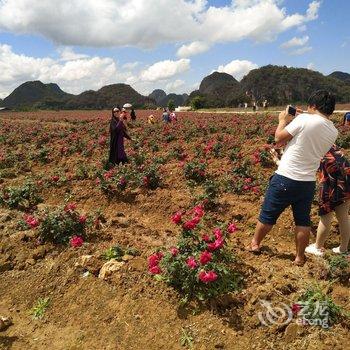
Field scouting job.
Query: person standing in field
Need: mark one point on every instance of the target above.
(132, 114)
(346, 119)
(334, 196)
(165, 116)
(308, 136)
(118, 132)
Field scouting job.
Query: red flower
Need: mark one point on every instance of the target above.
(189, 225)
(82, 219)
(70, 207)
(191, 262)
(296, 308)
(176, 218)
(207, 277)
(232, 228)
(154, 259)
(55, 178)
(76, 241)
(256, 189)
(216, 245)
(205, 257)
(174, 251)
(31, 221)
(206, 238)
(198, 210)
(217, 233)
(155, 270)
(102, 140)
(196, 220)
(145, 181)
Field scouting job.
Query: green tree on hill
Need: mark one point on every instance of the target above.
(171, 105)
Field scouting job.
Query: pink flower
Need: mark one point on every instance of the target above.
(198, 210)
(108, 174)
(206, 238)
(207, 277)
(155, 270)
(217, 233)
(256, 189)
(97, 181)
(205, 257)
(189, 225)
(246, 188)
(196, 220)
(176, 218)
(174, 251)
(145, 181)
(31, 221)
(55, 178)
(296, 308)
(191, 262)
(102, 140)
(216, 245)
(232, 228)
(76, 241)
(248, 180)
(70, 207)
(154, 259)
(82, 219)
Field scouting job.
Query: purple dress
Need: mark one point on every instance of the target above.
(116, 151)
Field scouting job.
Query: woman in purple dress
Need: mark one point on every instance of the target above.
(118, 132)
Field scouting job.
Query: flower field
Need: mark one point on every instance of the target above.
(152, 254)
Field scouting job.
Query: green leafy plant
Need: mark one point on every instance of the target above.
(195, 171)
(40, 308)
(186, 339)
(60, 225)
(22, 197)
(200, 266)
(115, 252)
(339, 267)
(317, 308)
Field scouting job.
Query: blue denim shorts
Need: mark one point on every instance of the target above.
(283, 192)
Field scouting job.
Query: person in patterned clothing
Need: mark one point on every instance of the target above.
(334, 195)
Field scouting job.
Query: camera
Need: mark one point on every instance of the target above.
(292, 110)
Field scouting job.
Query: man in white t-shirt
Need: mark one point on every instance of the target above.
(309, 136)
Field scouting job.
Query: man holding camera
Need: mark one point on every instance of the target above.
(309, 136)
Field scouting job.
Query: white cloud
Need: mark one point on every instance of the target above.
(72, 76)
(67, 54)
(175, 86)
(165, 69)
(238, 68)
(131, 65)
(295, 42)
(138, 22)
(312, 11)
(192, 49)
(300, 51)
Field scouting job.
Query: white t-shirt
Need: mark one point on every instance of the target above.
(313, 136)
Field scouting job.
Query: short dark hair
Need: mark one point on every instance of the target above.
(323, 100)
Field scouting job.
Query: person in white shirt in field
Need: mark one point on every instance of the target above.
(309, 136)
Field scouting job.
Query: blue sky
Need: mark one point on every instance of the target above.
(168, 44)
